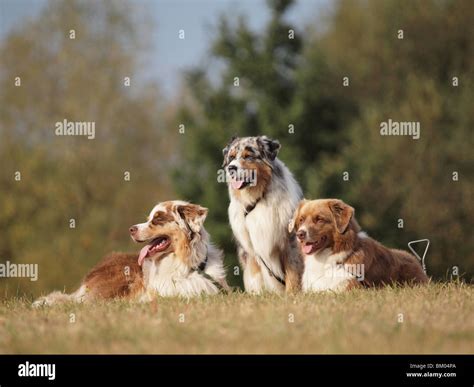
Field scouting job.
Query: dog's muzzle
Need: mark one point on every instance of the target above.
(237, 177)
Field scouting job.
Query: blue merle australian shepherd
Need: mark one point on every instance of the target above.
(263, 197)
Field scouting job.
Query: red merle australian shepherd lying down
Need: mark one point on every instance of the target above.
(177, 260)
(339, 256)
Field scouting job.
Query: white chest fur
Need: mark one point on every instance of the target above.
(170, 277)
(263, 232)
(323, 272)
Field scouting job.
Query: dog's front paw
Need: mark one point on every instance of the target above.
(40, 302)
(145, 297)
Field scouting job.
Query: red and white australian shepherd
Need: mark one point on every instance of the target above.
(339, 256)
(177, 260)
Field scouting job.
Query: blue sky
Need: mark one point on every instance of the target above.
(196, 17)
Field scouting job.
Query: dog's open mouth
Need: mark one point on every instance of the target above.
(238, 184)
(310, 247)
(155, 246)
(241, 178)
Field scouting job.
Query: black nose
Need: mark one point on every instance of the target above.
(301, 234)
(232, 168)
(133, 230)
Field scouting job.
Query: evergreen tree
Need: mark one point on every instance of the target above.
(260, 91)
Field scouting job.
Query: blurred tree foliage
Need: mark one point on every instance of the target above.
(282, 82)
(65, 178)
(299, 82)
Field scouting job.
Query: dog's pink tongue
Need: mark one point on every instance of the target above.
(236, 184)
(143, 254)
(307, 248)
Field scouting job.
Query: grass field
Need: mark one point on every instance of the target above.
(438, 318)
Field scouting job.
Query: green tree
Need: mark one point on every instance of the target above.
(409, 79)
(65, 178)
(268, 99)
(299, 82)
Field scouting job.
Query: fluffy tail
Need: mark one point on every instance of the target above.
(61, 298)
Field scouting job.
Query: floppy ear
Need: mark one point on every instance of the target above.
(225, 151)
(342, 214)
(193, 215)
(296, 214)
(270, 147)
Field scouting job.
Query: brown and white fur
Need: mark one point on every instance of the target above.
(331, 241)
(259, 212)
(176, 245)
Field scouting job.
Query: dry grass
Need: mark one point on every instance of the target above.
(438, 318)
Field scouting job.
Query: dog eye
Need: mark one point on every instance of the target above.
(319, 220)
(159, 219)
(249, 158)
